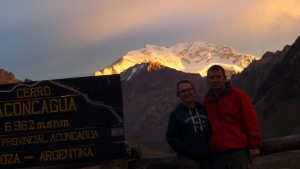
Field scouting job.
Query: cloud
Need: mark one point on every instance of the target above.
(105, 19)
(268, 18)
(249, 26)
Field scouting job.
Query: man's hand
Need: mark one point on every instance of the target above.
(254, 152)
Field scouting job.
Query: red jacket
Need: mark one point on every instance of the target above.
(233, 121)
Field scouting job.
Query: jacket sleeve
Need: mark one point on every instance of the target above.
(251, 122)
(174, 139)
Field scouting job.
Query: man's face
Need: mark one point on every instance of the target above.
(216, 80)
(186, 93)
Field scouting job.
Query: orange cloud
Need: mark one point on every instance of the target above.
(268, 17)
(99, 21)
(87, 22)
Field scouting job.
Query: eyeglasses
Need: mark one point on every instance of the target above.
(189, 90)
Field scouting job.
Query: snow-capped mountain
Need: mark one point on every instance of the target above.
(190, 57)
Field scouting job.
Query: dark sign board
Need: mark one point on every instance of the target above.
(63, 121)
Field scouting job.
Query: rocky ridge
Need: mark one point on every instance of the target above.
(7, 77)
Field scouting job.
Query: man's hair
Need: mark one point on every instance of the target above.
(216, 68)
(184, 81)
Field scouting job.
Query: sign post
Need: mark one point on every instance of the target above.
(60, 122)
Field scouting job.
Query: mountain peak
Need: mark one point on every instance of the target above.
(153, 66)
(190, 57)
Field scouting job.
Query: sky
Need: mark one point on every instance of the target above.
(54, 39)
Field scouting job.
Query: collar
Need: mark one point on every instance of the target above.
(211, 94)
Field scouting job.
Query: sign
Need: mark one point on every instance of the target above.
(64, 121)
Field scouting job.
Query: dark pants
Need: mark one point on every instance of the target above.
(232, 159)
(187, 163)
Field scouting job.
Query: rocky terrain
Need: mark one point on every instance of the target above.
(7, 77)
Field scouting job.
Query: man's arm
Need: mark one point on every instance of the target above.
(251, 124)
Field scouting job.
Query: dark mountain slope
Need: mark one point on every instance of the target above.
(278, 98)
(256, 73)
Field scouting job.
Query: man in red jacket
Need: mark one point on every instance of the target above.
(235, 138)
